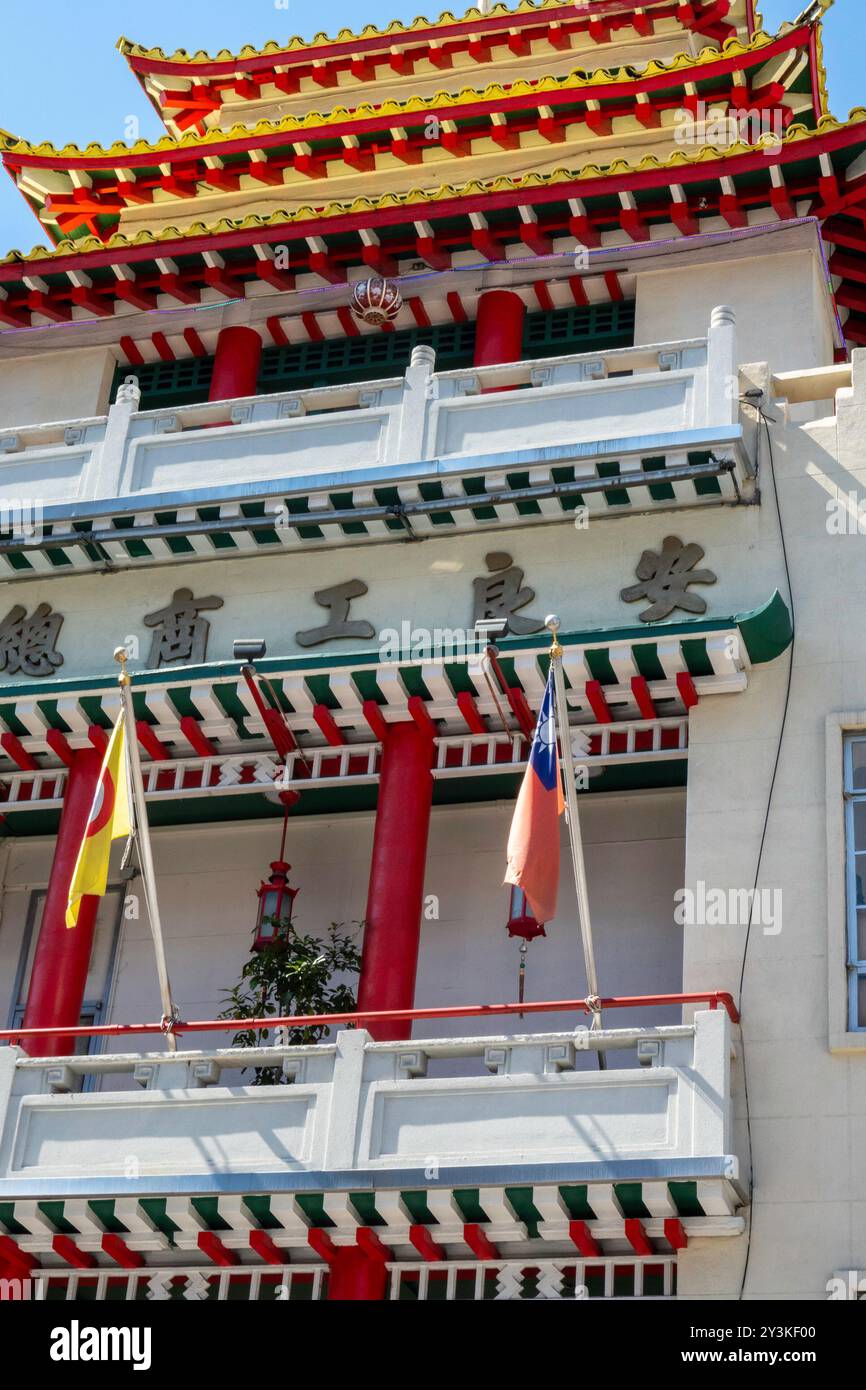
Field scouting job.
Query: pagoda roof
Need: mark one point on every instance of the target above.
(812, 172)
(200, 91)
(569, 122)
(731, 15)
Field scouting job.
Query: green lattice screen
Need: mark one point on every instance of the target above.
(338, 360)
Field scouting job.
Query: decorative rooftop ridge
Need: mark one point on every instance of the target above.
(578, 79)
(395, 29)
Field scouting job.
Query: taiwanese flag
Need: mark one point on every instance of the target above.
(533, 845)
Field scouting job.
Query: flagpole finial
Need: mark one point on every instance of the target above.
(553, 625)
(120, 656)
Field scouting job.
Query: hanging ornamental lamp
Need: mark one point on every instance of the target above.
(276, 898)
(376, 301)
(521, 922)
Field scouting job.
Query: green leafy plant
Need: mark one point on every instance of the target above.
(294, 975)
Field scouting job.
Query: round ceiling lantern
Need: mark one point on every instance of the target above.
(376, 301)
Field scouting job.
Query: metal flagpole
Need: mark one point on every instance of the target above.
(573, 819)
(142, 836)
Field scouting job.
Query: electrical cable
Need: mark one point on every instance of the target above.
(765, 419)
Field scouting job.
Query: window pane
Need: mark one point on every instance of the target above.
(103, 941)
(861, 934)
(860, 825)
(858, 763)
(861, 1003)
(860, 880)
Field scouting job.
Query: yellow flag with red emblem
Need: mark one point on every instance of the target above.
(109, 820)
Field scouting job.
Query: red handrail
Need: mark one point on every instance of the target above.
(714, 998)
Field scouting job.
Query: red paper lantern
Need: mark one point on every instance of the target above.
(376, 301)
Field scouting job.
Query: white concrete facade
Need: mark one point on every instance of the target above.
(804, 1062)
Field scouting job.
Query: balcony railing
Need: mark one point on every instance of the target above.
(620, 404)
(358, 1108)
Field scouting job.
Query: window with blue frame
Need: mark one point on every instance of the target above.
(101, 972)
(855, 853)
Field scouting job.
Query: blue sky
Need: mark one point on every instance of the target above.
(63, 80)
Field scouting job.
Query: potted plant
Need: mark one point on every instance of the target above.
(294, 975)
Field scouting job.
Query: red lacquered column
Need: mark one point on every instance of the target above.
(499, 328)
(396, 893)
(62, 958)
(236, 364)
(354, 1275)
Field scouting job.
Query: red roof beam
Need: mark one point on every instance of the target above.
(581, 1236)
(71, 1253)
(130, 291)
(440, 56)
(194, 343)
(47, 304)
(267, 270)
(430, 248)
(153, 746)
(598, 121)
(210, 1244)
(118, 1250)
(265, 170)
(597, 702)
(163, 347)
(502, 134)
(849, 267)
(630, 218)
(13, 315)
(479, 1242)
(266, 1249)
(357, 156)
(418, 710)
(220, 278)
(403, 148)
(643, 698)
(422, 1240)
(86, 296)
(321, 264)
(179, 179)
(14, 749)
(325, 74)
(328, 726)
(374, 255)
(637, 1236)
(419, 312)
(195, 737)
(483, 240)
(176, 286)
(532, 235)
(217, 175)
(580, 225)
(59, 745)
(551, 127)
(681, 214)
(277, 332)
(468, 708)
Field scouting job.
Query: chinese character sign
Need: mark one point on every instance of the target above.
(27, 644)
(499, 595)
(665, 577)
(180, 633)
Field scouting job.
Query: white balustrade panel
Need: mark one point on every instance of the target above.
(356, 1104)
(322, 434)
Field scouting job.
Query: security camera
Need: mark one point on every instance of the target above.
(250, 649)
